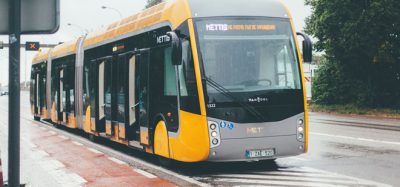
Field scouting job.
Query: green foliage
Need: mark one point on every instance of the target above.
(151, 3)
(361, 40)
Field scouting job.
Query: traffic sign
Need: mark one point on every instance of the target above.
(37, 16)
(32, 46)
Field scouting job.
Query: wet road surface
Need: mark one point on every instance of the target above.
(343, 151)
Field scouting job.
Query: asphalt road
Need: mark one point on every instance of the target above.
(344, 151)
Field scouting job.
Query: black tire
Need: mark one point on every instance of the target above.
(92, 138)
(36, 118)
(57, 126)
(166, 162)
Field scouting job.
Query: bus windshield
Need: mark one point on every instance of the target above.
(248, 54)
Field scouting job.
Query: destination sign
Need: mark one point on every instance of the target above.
(239, 27)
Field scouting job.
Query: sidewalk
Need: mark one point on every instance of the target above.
(50, 159)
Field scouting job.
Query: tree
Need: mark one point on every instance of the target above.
(361, 40)
(151, 3)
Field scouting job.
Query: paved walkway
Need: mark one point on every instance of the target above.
(51, 159)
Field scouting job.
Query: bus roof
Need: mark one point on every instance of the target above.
(41, 56)
(161, 13)
(64, 49)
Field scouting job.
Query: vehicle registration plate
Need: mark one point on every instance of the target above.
(260, 153)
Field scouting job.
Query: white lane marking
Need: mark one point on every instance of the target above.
(355, 138)
(349, 177)
(52, 133)
(299, 179)
(77, 143)
(78, 178)
(289, 173)
(50, 164)
(43, 128)
(63, 137)
(95, 151)
(299, 158)
(300, 176)
(272, 182)
(117, 161)
(146, 174)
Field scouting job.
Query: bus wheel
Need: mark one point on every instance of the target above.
(36, 118)
(166, 162)
(92, 138)
(56, 125)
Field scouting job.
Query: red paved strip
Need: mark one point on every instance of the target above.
(96, 168)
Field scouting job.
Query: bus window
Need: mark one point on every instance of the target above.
(188, 87)
(169, 74)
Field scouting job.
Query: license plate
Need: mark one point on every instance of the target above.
(260, 153)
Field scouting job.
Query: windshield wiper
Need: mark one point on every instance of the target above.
(228, 94)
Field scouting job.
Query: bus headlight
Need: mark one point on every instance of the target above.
(300, 122)
(213, 126)
(214, 134)
(215, 141)
(300, 130)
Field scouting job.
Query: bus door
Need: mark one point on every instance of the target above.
(103, 114)
(126, 101)
(37, 94)
(34, 92)
(142, 82)
(61, 100)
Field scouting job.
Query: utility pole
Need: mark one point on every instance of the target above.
(14, 93)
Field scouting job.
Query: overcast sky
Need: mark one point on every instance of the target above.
(88, 14)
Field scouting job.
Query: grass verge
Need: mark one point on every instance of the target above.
(355, 110)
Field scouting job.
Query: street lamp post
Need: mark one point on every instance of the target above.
(113, 9)
(83, 30)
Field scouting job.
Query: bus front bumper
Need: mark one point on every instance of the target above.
(257, 141)
(237, 149)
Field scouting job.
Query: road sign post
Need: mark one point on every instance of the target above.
(14, 93)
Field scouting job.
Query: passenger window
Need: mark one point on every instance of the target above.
(169, 74)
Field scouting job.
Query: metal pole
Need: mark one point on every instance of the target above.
(14, 96)
(25, 52)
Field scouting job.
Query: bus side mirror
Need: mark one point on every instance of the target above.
(176, 48)
(307, 48)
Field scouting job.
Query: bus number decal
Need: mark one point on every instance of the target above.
(211, 105)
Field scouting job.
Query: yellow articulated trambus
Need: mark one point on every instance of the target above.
(188, 80)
